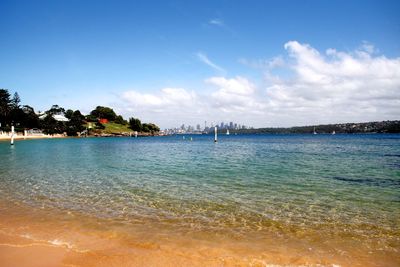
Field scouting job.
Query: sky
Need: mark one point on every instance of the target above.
(258, 63)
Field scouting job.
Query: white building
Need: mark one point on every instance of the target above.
(57, 117)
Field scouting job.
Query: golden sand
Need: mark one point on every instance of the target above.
(41, 238)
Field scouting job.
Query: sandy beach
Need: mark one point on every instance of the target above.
(49, 239)
(163, 201)
(28, 137)
(39, 243)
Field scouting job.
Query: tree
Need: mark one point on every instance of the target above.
(100, 126)
(150, 127)
(145, 128)
(15, 101)
(17, 117)
(393, 127)
(49, 125)
(135, 124)
(55, 110)
(91, 118)
(74, 125)
(104, 113)
(30, 119)
(5, 107)
(120, 120)
(68, 113)
(16, 114)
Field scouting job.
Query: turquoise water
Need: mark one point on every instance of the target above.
(245, 184)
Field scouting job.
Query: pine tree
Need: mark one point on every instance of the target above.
(5, 107)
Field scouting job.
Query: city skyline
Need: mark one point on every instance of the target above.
(269, 63)
(206, 127)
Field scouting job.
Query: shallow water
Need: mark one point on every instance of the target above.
(333, 198)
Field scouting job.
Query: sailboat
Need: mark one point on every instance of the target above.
(314, 131)
(333, 132)
(227, 132)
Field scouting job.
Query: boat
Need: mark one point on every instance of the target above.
(227, 132)
(314, 131)
(333, 132)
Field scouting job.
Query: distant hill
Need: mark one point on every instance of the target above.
(363, 127)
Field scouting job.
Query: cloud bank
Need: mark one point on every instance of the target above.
(336, 86)
(310, 87)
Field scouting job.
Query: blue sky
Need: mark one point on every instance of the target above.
(174, 62)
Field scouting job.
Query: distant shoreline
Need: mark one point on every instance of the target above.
(4, 138)
(339, 128)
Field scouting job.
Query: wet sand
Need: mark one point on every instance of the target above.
(30, 253)
(40, 238)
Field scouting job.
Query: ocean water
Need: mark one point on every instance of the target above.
(337, 196)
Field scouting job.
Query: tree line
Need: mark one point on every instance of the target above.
(22, 117)
(340, 128)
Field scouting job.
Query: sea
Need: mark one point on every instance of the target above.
(247, 200)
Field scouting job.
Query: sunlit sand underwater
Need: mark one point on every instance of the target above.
(251, 200)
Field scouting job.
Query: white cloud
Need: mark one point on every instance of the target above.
(230, 99)
(317, 87)
(234, 96)
(167, 96)
(203, 58)
(337, 86)
(217, 22)
(368, 47)
(167, 107)
(237, 86)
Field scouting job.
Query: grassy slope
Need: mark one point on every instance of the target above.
(112, 127)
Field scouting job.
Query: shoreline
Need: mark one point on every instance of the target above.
(4, 138)
(38, 237)
(100, 202)
(28, 137)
